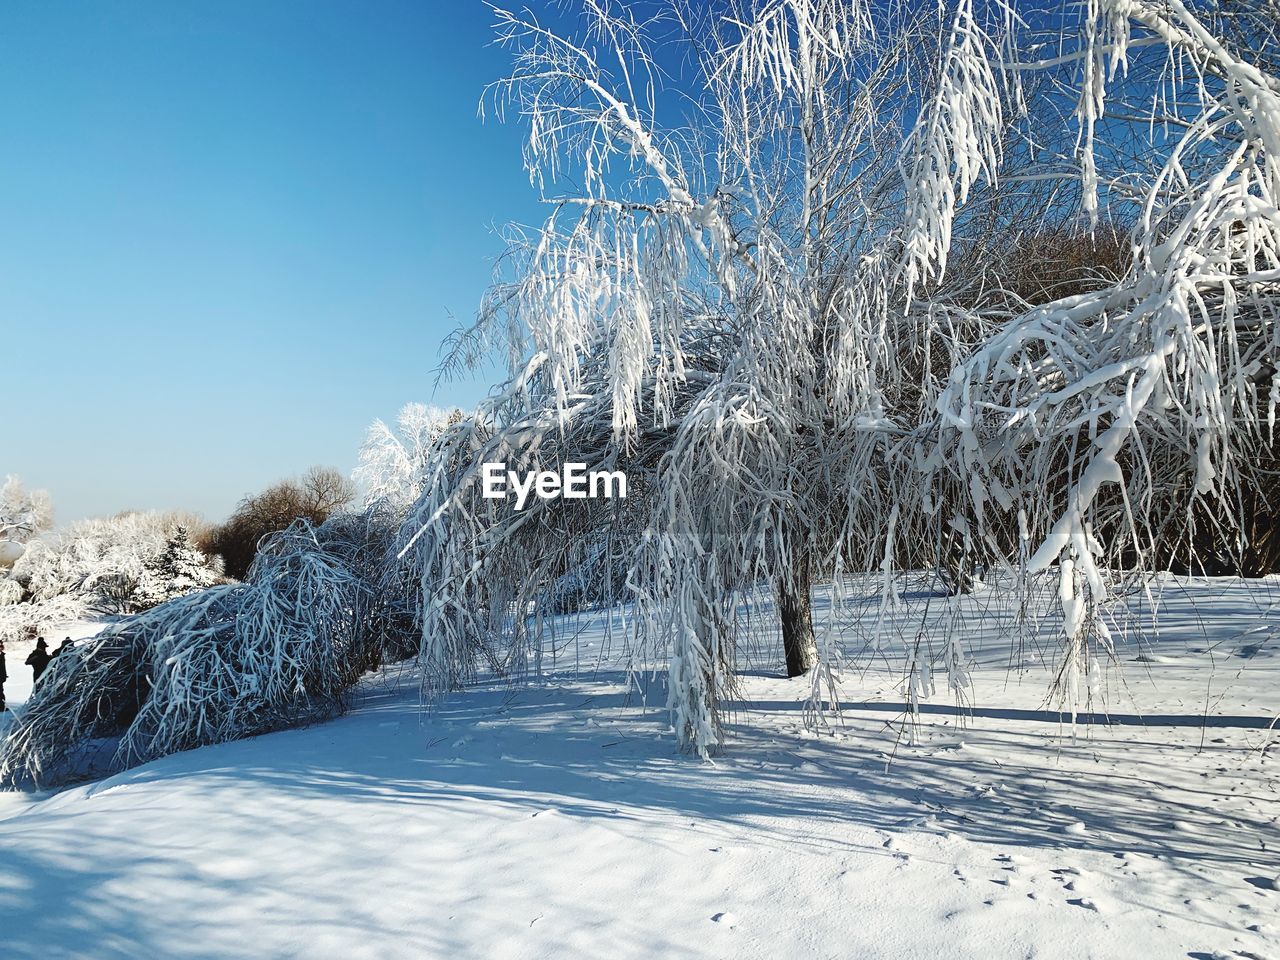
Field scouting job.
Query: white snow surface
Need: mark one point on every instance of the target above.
(558, 819)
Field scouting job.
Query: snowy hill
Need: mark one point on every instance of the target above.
(559, 820)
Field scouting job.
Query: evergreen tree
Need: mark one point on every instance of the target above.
(180, 568)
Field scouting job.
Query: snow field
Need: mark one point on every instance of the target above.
(559, 820)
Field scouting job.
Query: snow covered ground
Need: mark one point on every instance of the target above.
(558, 819)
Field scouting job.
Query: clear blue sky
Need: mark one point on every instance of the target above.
(232, 234)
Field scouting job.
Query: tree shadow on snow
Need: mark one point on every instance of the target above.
(589, 748)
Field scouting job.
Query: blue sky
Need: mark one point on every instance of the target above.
(232, 233)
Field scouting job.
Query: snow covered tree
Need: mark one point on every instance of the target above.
(1111, 423)
(670, 310)
(779, 295)
(393, 462)
(180, 568)
(23, 515)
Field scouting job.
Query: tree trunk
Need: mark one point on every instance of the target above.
(795, 609)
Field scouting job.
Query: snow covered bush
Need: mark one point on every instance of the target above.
(232, 661)
(365, 543)
(802, 335)
(10, 592)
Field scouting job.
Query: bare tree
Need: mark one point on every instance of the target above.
(324, 491)
(316, 496)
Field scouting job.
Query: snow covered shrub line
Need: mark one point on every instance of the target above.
(114, 565)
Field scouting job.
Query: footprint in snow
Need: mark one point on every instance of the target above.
(1084, 902)
(726, 918)
(1264, 883)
